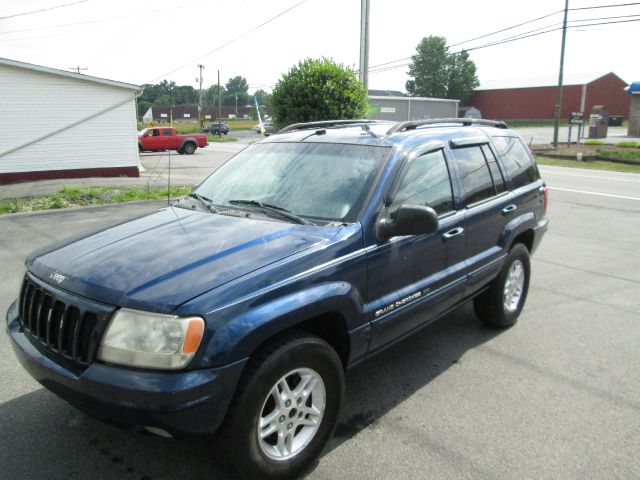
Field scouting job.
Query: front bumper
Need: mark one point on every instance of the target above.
(185, 402)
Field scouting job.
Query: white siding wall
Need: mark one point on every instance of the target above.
(34, 104)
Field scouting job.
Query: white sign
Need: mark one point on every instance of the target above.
(388, 110)
(187, 115)
(163, 115)
(208, 117)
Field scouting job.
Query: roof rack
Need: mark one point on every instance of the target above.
(413, 124)
(328, 124)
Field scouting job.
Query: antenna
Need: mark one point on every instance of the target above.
(77, 68)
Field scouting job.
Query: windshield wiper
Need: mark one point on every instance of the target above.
(283, 212)
(207, 202)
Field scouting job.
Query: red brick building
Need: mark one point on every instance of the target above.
(535, 98)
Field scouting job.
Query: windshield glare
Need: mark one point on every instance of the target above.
(316, 180)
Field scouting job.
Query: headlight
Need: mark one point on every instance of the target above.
(143, 339)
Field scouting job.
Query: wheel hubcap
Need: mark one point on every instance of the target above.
(291, 414)
(514, 286)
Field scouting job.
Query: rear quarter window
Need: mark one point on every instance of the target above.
(517, 160)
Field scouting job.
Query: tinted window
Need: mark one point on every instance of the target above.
(166, 132)
(474, 171)
(496, 174)
(517, 160)
(426, 182)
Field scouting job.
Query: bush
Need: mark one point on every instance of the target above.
(316, 90)
(594, 142)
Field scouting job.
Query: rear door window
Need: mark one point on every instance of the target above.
(517, 160)
(474, 172)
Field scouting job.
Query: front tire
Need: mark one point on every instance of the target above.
(285, 409)
(502, 303)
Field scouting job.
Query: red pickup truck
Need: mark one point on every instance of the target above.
(156, 139)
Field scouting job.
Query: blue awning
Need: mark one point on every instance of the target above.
(633, 89)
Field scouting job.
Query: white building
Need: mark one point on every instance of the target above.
(58, 124)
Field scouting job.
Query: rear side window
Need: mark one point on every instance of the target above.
(426, 182)
(166, 132)
(475, 174)
(517, 161)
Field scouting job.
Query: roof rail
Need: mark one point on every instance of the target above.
(327, 124)
(413, 124)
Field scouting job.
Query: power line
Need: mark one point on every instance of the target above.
(43, 9)
(522, 37)
(228, 43)
(373, 68)
(98, 20)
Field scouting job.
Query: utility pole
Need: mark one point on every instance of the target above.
(78, 68)
(556, 125)
(364, 43)
(219, 111)
(200, 115)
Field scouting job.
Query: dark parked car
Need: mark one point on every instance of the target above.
(216, 129)
(238, 309)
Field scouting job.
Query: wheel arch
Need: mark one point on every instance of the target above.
(329, 311)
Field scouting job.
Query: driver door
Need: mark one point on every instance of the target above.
(414, 278)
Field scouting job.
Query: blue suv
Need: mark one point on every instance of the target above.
(238, 309)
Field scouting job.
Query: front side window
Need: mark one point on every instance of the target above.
(426, 182)
(517, 161)
(475, 174)
(320, 181)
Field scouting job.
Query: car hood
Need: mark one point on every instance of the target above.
(159, 261)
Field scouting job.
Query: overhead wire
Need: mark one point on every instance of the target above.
(389, 65)
(235, 39)
(43, 10)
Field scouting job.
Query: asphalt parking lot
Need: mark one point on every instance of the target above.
(556, 396)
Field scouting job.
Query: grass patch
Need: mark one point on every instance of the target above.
(594, 142)
(529, 123)
(221, 139)
(627, 155)
(590, 165)
(86, 196)
(628, 144)
(194, 127)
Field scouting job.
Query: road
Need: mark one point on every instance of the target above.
(556, 396)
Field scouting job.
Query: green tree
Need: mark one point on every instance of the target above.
(237, 85)
(438, 73)
(316, 90)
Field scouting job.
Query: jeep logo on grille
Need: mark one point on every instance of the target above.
(57, 277)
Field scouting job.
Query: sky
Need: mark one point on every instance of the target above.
(145, 42)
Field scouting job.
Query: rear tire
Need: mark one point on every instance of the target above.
(285, 409)
(502, 303)
(189, 148)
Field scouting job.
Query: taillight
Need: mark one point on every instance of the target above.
(545, 193)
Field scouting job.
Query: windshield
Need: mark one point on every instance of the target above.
(142, 132)
(316, 180)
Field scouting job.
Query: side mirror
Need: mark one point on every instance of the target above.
(410, 220)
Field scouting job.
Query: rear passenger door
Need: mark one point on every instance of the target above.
(488, 207)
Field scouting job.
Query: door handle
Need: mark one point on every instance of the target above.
(453, 233)
(508, 209)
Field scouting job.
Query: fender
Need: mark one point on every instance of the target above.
(239, 337)
(517, 225)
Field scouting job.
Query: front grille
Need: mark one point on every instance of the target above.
(58, 325)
